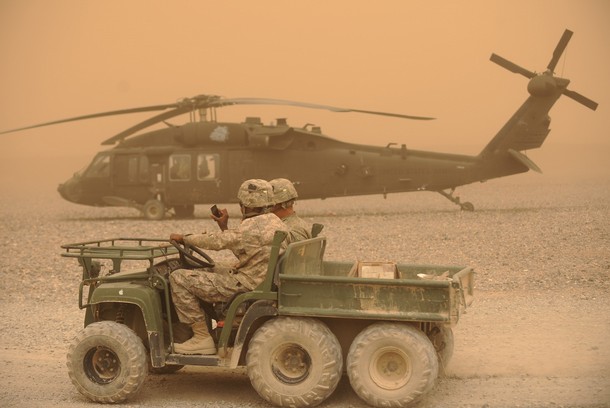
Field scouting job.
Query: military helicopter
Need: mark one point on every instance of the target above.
(170, 170)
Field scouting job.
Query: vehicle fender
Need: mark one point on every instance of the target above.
(262, 309)
(149, 302)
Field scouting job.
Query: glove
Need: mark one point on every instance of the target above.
(177, 237)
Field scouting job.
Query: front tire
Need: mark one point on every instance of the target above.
(107, 362)
(294, 362)
(390, 364)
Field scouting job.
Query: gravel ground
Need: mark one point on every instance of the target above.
(534, 336)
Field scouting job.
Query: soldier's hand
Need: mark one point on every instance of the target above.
(223, 220)
(177, 237)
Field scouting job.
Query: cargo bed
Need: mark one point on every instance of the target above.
(309, 286)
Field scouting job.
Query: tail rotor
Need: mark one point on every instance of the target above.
(546, 83)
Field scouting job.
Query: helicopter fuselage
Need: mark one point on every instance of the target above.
(205, 162)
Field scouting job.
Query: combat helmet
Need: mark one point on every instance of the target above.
(283, 190)
(255, 193)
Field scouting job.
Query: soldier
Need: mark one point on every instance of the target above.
(284, 196)
(251, 244)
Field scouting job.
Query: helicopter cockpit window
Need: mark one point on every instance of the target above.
(100, 167)
(180, 167)
(207, 166)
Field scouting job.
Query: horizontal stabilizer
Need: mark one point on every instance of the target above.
(526, 161)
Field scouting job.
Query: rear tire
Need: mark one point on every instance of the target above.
(442, 339)
(107, 362)
(294, 362)
(390, 364)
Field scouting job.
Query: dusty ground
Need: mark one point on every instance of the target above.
(536, 335)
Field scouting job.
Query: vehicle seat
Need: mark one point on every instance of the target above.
(303, 257)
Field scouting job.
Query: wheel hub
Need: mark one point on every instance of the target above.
(390, 368)
(102, 365)
(290, 363)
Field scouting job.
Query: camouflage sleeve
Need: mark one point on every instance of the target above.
(298, 229)
(214, 240)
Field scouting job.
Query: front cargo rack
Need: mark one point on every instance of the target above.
(119, 249)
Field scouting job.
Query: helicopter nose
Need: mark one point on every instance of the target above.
(62, 190)
(67, 191)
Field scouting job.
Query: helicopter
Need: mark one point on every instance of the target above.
(170, 170)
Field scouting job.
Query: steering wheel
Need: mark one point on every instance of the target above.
(187, 255)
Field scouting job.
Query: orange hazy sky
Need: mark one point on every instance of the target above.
(64, 58)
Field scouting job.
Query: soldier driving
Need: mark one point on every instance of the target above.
(250, 242)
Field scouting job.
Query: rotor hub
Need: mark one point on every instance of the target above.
(542, 86)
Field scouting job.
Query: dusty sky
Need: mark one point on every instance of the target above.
(64, 58)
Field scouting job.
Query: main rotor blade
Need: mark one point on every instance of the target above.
(581, 99)
(94, 115)
(561, 46)
(264, 101)
(511, 66)
(148, 122)
(201, 102)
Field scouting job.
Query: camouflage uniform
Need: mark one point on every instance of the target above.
(251, 244)
(284, 196)
(298, 229)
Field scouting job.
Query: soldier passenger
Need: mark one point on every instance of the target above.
(284, 197)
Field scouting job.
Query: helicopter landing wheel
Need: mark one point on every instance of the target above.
(464, 206)
(467, 206)
(154, 210)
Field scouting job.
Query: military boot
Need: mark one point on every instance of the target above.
(200, 343)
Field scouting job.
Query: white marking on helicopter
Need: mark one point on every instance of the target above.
(220, 134)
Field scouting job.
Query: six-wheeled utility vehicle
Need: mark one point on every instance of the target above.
(387, 325)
